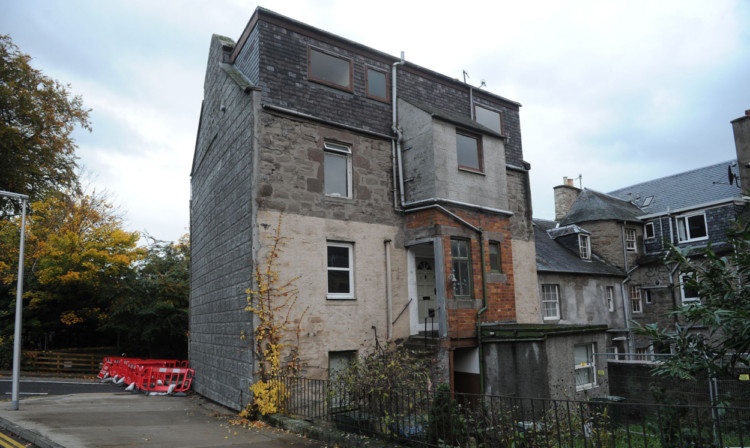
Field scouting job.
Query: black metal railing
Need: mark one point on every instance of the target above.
(434, 419)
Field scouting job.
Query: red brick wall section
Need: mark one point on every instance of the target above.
(501, 304)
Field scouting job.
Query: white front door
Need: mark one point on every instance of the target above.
(426, 294)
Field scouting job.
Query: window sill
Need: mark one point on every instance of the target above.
(471, 170)
(337, 198)
(583, 387)
(694, 240)
(340, 299)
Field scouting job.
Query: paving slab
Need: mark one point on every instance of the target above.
(109, 420)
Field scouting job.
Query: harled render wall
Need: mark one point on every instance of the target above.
(332, 324)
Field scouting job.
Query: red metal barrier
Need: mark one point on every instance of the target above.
(164, 379)
(148, 375)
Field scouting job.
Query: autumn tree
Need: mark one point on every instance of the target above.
(152, 316)
(37, 119)
(77, 259)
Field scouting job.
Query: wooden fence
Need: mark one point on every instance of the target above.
(61, 362)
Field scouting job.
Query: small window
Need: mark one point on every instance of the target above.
(461, 275)
(648, 230)
(495, 259)
(328, 69)
(688, 293)
(377, 85)
(611, 298)
(630, 239)
(550, 302)
(647, 295)
(585, 368)
(337, 170)
(584, 244)
(692, 227)
(635, 299)
(612, 353)
(489, 118)
(469, 152)
(339, 361)
(339, 264)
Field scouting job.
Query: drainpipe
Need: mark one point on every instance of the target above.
(396, 130)
(671, 284)
(626, 309)
(471, 102)
(481, 311)
(388, 296)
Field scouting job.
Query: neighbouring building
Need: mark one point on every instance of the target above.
(403, 195)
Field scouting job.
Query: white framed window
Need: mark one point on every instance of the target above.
(692, 227)
(585, 369)
(329, 69)
(337, 169)
(648, 231)
(489, 118)
(550, 301)
(688, 294)
(635, 299)
(461, 255)
(611, 298)
(647, 295)
(584, 245)
(630, 240)
(644, 353)
(612, 352)
(340, 270)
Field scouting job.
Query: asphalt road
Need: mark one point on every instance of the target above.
(40, 387)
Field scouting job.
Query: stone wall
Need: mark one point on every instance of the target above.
(583, 299)
(221, 217)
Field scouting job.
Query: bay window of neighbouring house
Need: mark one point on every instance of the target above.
(325, 68)
(635, 299)
(340, 270)
(488, 118)
(469, 151)
(461, 275)
(585, 369)
(550, 302)
(630, 240)
(337, 170)
(648, 231)
(692, 227)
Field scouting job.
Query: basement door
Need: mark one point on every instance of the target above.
(426, 294)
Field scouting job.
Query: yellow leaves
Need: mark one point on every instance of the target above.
(269, 396)
(70, 318)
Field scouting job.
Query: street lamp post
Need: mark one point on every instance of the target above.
(19, 300)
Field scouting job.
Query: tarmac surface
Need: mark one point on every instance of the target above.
(125, 419)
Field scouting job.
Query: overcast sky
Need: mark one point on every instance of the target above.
(616, 91)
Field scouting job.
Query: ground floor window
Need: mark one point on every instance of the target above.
(340, 267)
(461, 275)
(585, 370)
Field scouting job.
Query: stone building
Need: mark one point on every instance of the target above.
(402, 194)
(630, 228)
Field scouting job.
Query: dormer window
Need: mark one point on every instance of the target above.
(489, 118)
(692, 227)
(584, 244)
(329, 69)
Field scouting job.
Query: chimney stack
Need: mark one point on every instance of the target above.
(565, 196)
(741, 127)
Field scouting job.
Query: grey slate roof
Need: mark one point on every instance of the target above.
(592, 205)
(683, 190)
(551, 256)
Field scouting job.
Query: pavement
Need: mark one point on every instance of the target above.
(124, 419)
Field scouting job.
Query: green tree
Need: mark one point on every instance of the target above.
(713, 337)
(153, 316)
(77, 259)
(37, 119)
